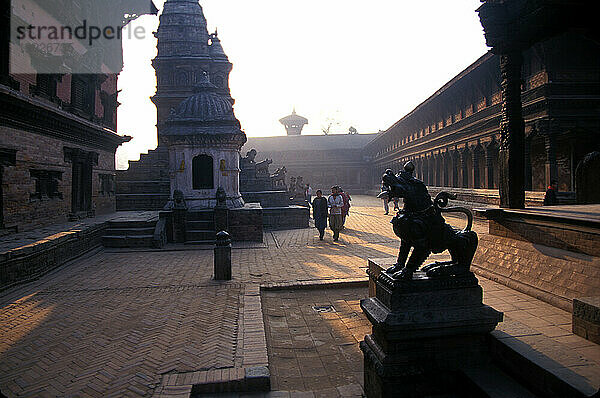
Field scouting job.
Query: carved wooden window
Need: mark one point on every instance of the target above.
(83, 94)
(202, 172)
(45, 85)
(46, 184)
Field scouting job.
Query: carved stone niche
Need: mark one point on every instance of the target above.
(425, 332)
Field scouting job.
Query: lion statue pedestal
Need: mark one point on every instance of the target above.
(425, 330)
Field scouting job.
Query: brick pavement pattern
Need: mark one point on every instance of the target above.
(124, 323)
(316, 351)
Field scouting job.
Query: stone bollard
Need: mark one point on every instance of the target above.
(223, 257)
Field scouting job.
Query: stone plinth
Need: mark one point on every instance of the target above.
(425, 331)
(246, 224)
(586, 318)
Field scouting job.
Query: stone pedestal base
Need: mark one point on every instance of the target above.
(424, 332)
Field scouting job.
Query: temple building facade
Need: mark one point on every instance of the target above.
(321, 160)
(57, 132)
(453, 137)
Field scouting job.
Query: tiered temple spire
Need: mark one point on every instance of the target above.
(186, 52)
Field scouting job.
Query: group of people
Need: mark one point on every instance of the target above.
(335, 208)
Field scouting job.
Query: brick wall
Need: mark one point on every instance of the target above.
(562, 236)
(554, 275)
(45, 153)
(28, 263)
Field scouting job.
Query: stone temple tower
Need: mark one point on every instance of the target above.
(186, 53)
(204, 139)
(187, 56)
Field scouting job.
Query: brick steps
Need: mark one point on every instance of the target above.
(200, 228)
(127, 241)
(129, 233)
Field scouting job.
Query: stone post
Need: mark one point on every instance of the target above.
(511, 158)
(222, 258)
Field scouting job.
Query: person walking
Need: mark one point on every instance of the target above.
(335, 204)
(319, 205)
(396, 207)
(346, 208)
(385, 197)
(308, 193)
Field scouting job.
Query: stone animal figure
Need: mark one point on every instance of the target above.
(420, 226)
(278, 178)
(262, 168)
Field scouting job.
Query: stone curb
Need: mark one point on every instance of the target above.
(214, 381)
(318, 284)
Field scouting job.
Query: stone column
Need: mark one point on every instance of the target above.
(426, 170)
(438, 170)
(474, 174)
(511, 159)
(527, 168)
(464, 172)
(455, 165)
(431, 168)
(550, 163)
(490, 152)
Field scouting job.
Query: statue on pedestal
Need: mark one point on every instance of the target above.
(420, 226)
(278, 178)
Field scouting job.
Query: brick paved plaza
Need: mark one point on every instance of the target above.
(153, 323)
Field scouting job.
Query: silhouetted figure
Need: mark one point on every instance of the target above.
(319, 205)
(550, 199)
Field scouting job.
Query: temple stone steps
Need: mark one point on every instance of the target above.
(121, 241)
(145, 184)
(200, 228)
(133, 233)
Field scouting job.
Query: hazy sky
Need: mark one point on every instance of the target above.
(346, 62)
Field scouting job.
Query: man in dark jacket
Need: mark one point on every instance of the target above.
(319, 206)
(551, 199)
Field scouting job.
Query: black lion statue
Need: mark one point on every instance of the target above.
(420, 226)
